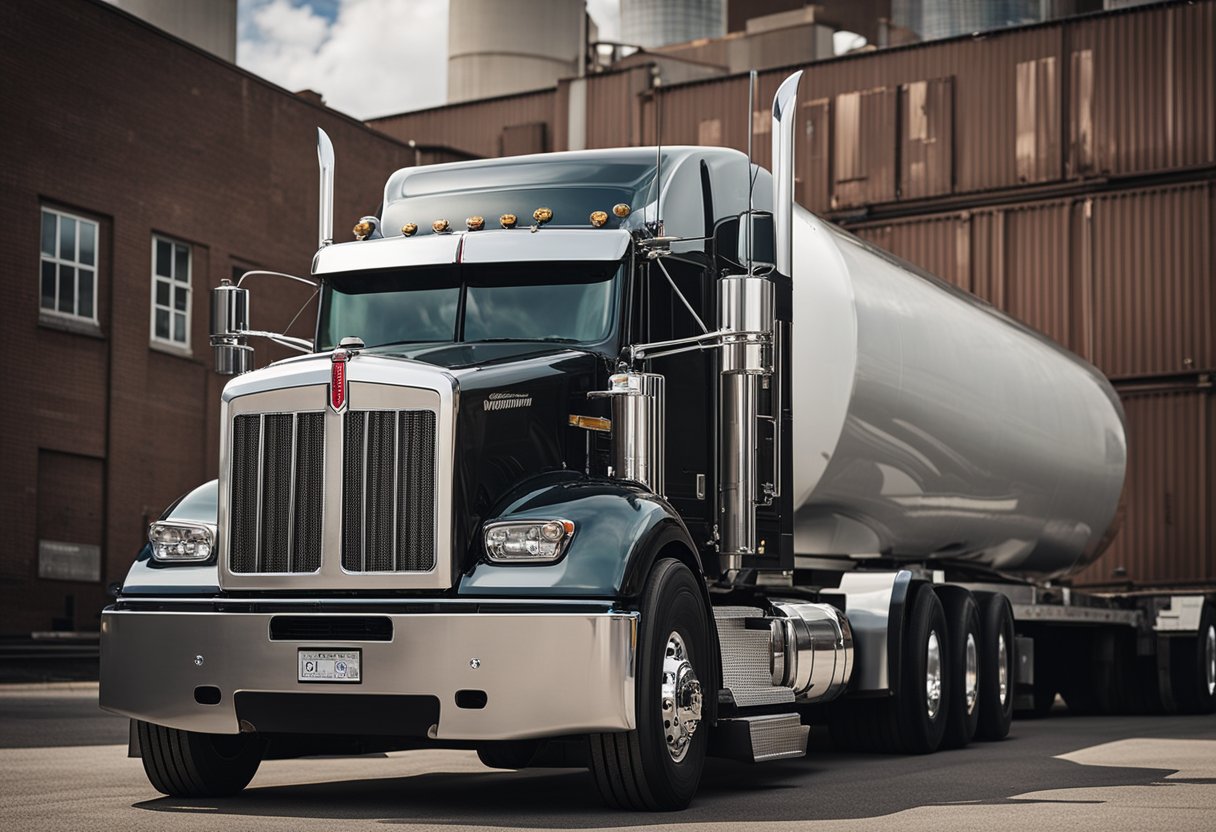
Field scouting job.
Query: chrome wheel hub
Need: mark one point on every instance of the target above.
(1002, 668)
(1209, 658)
(933, 675)
(971, 683)
(680, 698)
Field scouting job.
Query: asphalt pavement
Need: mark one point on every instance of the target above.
(63, 765)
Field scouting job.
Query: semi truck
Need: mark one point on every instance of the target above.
(660, 468)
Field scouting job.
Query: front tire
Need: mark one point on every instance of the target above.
(657, 766)
(189, 764)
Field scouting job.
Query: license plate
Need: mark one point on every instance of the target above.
(330, 666)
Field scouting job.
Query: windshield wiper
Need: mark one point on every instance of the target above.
(550, 340)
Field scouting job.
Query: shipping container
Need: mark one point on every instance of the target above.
(1169, 501)
(1124, 279)
(489, 127)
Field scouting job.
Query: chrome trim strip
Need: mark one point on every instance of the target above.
(363, 501)
(291, 494)
(396, 483)
(257, 547)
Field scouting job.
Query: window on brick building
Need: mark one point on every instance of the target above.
(170, 292)
(68, 276)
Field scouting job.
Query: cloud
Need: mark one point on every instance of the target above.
(366, 57)
(607, 16)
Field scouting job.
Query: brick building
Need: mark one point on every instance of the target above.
(140, 171)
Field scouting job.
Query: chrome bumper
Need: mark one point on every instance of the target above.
(543, 674)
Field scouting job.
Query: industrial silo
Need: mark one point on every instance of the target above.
(651, 23)
(511, 45)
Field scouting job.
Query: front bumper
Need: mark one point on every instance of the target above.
(543, 674)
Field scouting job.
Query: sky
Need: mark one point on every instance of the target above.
(367, 58)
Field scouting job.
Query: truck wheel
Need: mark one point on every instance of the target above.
(1193, 667)
(657, 766)
(996, 667)
(189, 764)
(913, 719)
(515, 754)
(923, 701)
(966, 672)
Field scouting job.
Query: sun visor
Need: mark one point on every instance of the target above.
(521, 244)
(387, 253)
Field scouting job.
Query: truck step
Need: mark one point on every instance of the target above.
(759, 739)
(746, 659)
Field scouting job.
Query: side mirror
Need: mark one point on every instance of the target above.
(731, 243)
(229, 323)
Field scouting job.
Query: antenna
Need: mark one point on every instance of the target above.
(658, 164)
(751, 180)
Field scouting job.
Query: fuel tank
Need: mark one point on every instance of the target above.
(928, 426)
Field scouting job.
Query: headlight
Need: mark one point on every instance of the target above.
(181, 542)
(537, 541)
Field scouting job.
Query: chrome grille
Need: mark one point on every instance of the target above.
(277, 487)
(388, 486)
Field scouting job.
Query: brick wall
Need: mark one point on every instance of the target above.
(108, 118)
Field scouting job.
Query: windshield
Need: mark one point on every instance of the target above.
(572, 302)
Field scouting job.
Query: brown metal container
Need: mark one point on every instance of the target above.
(1154, 297)
(1169, 501)
(479, 127)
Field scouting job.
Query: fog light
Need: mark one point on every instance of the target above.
(537, 541)
(181, 542)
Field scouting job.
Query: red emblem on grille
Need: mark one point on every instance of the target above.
(337, 380)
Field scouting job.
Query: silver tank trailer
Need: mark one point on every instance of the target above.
(928, 425)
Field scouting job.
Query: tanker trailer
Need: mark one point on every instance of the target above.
(662, 467)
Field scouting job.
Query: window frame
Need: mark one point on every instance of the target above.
(174, 282)
(54, 311)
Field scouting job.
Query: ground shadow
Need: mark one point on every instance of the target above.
(824, 786)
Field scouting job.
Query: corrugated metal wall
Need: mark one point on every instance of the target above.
(475, 127)
(1169, 502)
(1126, 93)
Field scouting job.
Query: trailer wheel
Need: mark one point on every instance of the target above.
(1193, 667)
(966, 670)
(657, 766)
(997, 679)
(923, 701)
(189, 764)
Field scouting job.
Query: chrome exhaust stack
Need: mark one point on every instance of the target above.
(325, 158)
(785, 108)
(747, 321)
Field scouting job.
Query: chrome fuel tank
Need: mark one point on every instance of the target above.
(929, 426)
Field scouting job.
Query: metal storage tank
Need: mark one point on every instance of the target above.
(512, 45)
(934, 19)
(651, 23)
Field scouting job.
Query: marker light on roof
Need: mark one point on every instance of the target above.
(409, 229)
(599, 218)
(508, 220)
(440, 226)
(542, 215)
(621, 210)
(475, 223)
